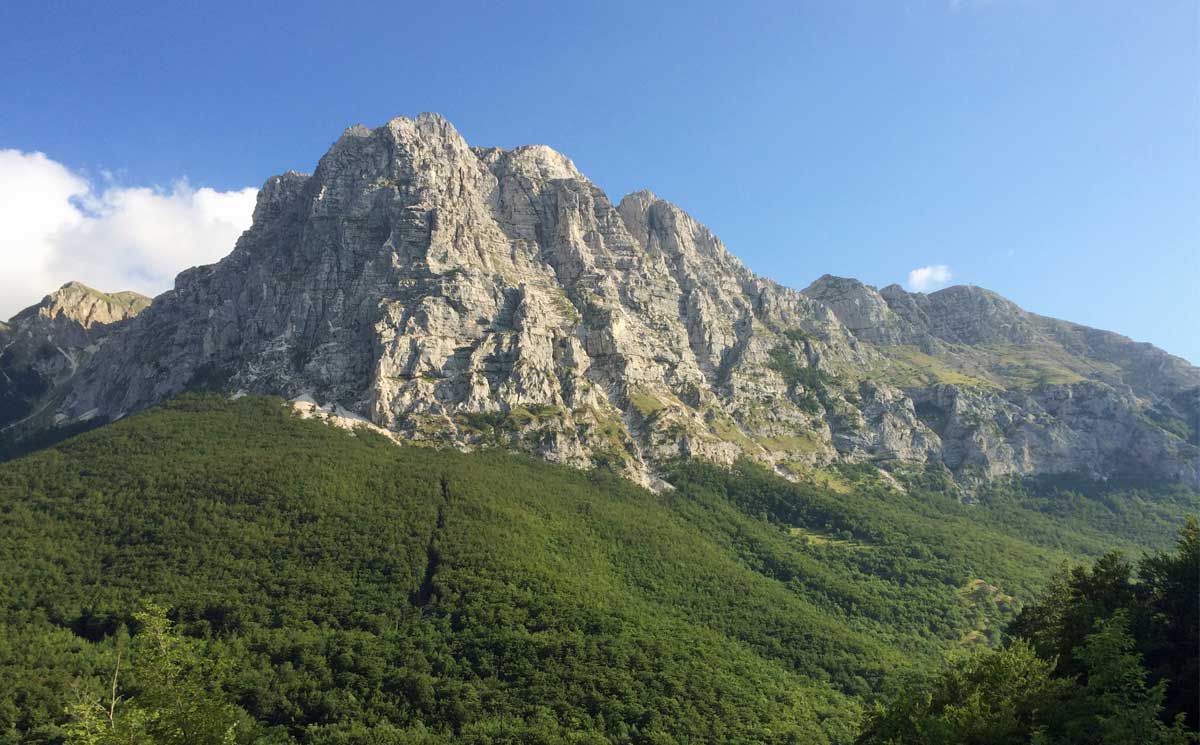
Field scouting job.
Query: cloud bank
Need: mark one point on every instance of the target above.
(926, 278)
(57, 226)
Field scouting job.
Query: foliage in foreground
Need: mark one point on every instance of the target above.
(1098, 659)
(171, 700)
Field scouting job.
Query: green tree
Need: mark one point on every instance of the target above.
(1114, 706)
(1103, 696)
(172, 697)
(1012, 697)
(1160, 607)
(990, 698)
(1170, 584)
(1067, 610)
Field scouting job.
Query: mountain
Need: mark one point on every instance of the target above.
(213, 565)
(44, 346)
(331, 587)
(481, 296)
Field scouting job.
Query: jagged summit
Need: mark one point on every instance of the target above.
(539, 161)
(484, 296)
(88, 307)
(44, 346)
(641, 195)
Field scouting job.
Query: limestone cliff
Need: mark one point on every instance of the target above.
(488, 297)
(45, 345)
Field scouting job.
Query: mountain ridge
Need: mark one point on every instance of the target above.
(482, 296)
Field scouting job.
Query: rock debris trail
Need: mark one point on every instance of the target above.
(433, 557)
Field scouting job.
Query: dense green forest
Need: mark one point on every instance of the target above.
(1105, 655)
(224, 571)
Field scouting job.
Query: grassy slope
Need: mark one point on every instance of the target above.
(354, 585)
(992, 366)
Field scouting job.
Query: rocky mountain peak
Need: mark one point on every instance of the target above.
(637, 205)
(496, 297)
(863, 310)
(44, 346)
(79, 304)
(536, 162)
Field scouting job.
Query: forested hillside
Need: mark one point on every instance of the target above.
(1106, 655)
(217, 570)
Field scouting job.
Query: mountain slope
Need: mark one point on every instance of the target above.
(476, 296)
(350, 584)
(45, 345)
(1010, 391)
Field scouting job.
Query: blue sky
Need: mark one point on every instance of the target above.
(1047, 150)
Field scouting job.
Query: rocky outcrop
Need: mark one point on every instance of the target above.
(77, 315)
(45, 345)
(489, 297)
(865, 313)
(1086, 428)
(1011, 392)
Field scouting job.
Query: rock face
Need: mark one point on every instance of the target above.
(43, 346)
(1009, 391)
(480, 296)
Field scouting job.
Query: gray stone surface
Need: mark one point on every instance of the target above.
(43, 347)
(480, 296)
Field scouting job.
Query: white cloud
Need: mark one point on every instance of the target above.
(57, 226)
(928, 278)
